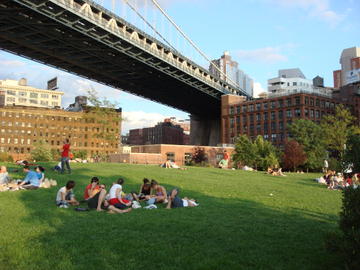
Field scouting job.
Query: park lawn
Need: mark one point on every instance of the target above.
(238, 224)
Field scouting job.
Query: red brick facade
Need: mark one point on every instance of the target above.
(270, 117)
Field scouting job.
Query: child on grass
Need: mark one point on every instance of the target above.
(66, 196)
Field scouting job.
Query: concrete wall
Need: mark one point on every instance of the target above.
(204, 131)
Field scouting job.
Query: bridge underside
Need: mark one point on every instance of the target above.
(28, 33)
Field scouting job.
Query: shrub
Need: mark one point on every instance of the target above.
(41, 151)
(5, 157)
(199, 156)
(335, 164)
(82, 154)
(350, 227)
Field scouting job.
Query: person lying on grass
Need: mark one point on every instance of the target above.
(116, 195)
(66, 196)
(174, 201)
(32, 179)
(158, 194)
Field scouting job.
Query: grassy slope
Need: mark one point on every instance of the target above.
(237, 226)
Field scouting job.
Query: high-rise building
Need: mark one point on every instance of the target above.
(231, 73)
(292, 81)
(350, 67)
(14, 92)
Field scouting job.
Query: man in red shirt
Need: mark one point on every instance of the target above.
(65, 159)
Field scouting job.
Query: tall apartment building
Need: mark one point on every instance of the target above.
(350, 68)
(22, 126)
(14, 92)
(291, 96)
(234, 75)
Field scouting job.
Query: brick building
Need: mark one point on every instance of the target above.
(270, 117)
(21, 127)
(163, 133)
(159, 153)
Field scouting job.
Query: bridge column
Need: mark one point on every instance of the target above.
(204, 131)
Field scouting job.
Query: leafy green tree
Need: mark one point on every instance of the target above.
(82, 154)
(311, 137)
(265, 153)
(245, 153)
(353, 152)
(105, 113)
(41, 151)
(338, 128)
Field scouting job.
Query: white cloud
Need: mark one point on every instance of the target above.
(258, 89)
(316, 8)
(11, 63)
(263, 55)
(140, 119)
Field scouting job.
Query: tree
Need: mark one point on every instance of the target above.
(265, 153)
(199, 156)
(82, 154)
(294, 155)
(338, 128)
(103, 112)
(310, 136)
(244, 153)
(353, 152)
(41, 151)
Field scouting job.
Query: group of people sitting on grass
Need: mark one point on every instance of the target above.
(338, 181)
(117, 201)
(33, 179)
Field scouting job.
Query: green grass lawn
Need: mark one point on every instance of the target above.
(238, 225)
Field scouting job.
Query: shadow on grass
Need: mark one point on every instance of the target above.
(222, 233)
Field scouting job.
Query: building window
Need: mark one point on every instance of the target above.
(297, 112)
(258, 106)
(281, 125)
(10, 99)
(297, 100)
(272, 115)
(238, 109)
(244, 109)
(54, 104)
(34, 95)
(288, 114)
(306, 100)
(273, 126)
(272, 104)
(317, 114)
(251, 118)
(231, 111)
(265, 105)
(33, 101)
(281, 103)
(22, 100)
(294, 84)
(11, 92)
(280, 114)
(251, 108)
(306, 112)
(44, 102)
(311, 102)
(265, 116)
(22, 94)
(170, 156)
(288, 102)
(317, 102)
(44, 95)
(258, 117)
(54, 96)
(311, 113)
(232, 122)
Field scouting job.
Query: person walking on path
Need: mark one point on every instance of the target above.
(65, 156)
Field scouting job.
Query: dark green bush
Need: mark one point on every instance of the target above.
(350, 227)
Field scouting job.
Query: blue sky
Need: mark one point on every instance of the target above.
(261, 35)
